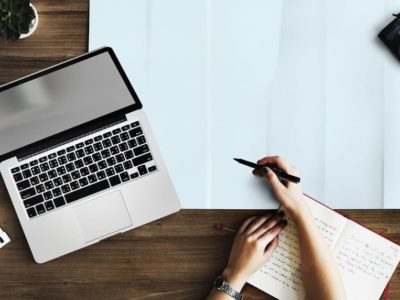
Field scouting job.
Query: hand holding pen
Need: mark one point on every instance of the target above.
(279, 172)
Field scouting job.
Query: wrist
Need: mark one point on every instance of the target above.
(235, 279)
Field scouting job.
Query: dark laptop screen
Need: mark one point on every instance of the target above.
(59, 100)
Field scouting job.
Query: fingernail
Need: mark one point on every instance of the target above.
(264, 170)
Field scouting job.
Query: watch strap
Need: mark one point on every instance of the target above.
(227, 289)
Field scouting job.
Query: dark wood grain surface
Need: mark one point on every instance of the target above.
(174, 258)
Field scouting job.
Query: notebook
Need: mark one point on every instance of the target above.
(366, 260)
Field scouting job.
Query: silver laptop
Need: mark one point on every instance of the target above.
(78, 156)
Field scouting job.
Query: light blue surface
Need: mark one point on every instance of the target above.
(305, 79)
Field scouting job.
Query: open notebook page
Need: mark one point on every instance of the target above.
(280, 276)
(366, 261)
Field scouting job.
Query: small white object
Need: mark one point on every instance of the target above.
(4, 239)
(33, 24)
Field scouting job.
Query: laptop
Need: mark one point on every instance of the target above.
(78, 156)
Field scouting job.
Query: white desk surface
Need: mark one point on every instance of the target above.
(306, 79)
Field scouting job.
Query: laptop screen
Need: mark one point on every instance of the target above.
(60, 100)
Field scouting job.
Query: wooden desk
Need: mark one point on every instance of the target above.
(174, 258)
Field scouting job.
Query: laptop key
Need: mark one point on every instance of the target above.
(101, 175)
(34, 180)
(107, 134)
(125, 128)
(79, 163)
(83, 182)
(110, 172)
(31, 212)
(115, 140)
(79, 145)
(98, 147)
(98, 138)
(152, 169)
(40, 188)
(102, 165)
(141, 140)
(116, 131)
(123, 147)
(59, 201)
(62, 160)
(49, 185)
(115, 180)
(93, 168)
(89, 150)
(26, 173)
(53, 163)
(142, 159)
(61, 152)
(33, 201)
(71, 148)
(141, 149)
(124, 176)
(92, 178)
(52, 155)
(124, 136)
(71, 156)
(35, 170)
(15, 170)
(134, 175)
(74, 185)
(80, 153)
(120, 158)
(107, 143)
(52, 174)
(33, 163)
(87, 191)
(114, 150)
(129, 154)
(43, 159)
(49, 205)
(18, 177)
(45, 167)
(48, 195)
(134, 124)
(75, 175)
(142, 170)
(105, 153)
(40, 209)
(43, 177)
(70, 167)
(88, 142)
(28, 193)
(135, 132)
(128, 165)
(96, 157)
(56, 192)
(132, 143)
(119, 168)
(23, 185)
(65, 188)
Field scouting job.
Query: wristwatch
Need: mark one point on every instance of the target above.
(220, 284)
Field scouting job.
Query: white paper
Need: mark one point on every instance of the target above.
(306, 79)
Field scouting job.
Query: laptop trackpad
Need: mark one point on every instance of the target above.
(102, 216)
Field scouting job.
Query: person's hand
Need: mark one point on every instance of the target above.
(289, 194)
(254, 244)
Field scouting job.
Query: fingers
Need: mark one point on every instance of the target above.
(276, 160)
(246, 223)
(268, 236)
(271, 247)
(257, 223)
(272, 222)
(276, 185)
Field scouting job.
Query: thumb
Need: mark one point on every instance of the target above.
(273, 180)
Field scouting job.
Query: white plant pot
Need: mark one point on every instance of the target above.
(32, 26)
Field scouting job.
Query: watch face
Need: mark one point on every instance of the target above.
(218, 282)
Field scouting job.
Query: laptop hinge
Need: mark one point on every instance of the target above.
(72, 134)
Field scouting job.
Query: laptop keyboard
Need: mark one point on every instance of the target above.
(82, 169)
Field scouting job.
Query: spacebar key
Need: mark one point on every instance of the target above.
(87, 191)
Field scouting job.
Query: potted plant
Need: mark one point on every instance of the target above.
(18, 19)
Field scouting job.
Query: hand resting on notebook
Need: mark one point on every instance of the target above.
(257, 239)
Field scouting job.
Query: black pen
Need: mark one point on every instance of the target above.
(277, 171)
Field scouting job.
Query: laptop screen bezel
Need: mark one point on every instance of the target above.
(80, 129)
